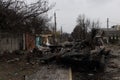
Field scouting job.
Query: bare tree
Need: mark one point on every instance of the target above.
(77, 33)
(84, 25)
(80, 31)
(95, 24)
(16, 15)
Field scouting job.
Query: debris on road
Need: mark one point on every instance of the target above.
(88, 52)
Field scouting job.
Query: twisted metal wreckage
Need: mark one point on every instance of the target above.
(89, 53)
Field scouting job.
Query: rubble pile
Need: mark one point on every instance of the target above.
(90, 52)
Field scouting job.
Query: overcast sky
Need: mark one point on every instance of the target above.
(68, 11)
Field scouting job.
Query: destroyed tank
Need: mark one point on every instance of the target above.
(89, 53)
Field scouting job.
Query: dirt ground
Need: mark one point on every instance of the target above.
(18, 69)
(21, 70)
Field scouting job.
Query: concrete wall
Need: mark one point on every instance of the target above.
(11, 42)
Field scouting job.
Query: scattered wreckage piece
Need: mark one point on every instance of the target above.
(90, 52)
(78, 58)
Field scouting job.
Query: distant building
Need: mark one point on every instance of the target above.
(112, 35)
(116, 27)
(43, 39)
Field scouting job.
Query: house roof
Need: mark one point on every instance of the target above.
(111, 32)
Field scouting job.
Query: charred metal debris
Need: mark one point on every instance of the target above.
(89, 53)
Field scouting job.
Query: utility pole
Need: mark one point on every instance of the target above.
(55, 21)
(61, 31)
(107, 23)
(107, 30)
(55, 27)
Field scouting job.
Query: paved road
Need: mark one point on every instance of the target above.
(50, 72)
